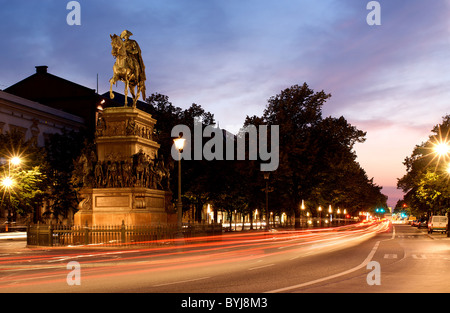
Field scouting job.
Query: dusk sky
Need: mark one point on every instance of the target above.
(231, 56)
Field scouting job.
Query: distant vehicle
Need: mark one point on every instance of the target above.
(422, 223)
(415, 223)
(437, 223)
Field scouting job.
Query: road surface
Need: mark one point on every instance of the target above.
(368, 258)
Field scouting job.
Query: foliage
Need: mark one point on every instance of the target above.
(317, 161)
(426, 182)
(28, 182)
(196, 174)
(62, 150)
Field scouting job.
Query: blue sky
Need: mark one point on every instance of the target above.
(230, 56)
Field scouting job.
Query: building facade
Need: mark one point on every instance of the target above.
(33, 119)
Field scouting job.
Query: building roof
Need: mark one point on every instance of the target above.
(61, 94)
(25, 105)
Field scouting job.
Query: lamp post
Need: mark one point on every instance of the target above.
(442, 149)
(320, 215)
(8, 183)
(330, 210)
(302, 210)
(266, 178)
(448, 215)
(179, 145)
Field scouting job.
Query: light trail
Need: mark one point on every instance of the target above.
(228, 249)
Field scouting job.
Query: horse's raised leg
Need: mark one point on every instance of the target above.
(126, 92)
(135, 98)
(111, 82)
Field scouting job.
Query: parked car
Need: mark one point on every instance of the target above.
(437, 223)
(422, 223)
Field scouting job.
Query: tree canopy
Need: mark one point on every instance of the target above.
(23, 184)
(426, 182)
(317, 162)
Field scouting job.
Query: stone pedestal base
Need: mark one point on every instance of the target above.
(134, 206)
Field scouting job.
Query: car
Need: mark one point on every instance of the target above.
(437, 223)
(422, 223)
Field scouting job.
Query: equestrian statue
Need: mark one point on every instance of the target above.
(129, 66)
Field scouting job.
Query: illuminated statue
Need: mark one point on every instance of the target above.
(129, 67)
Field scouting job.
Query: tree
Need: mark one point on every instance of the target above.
(24, 187)
(196, 174)
(426, 182)
(317, 161)
(62, 150)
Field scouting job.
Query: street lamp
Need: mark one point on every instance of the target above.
(442, 148)
(8, 182)
(302, 210)
(266, 178)
(320, 215)
(448, 225)
(179, 145)
(330, 210)
(15, 161)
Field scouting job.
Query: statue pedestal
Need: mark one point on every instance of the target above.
(124, 181)
(123, 132)
(134, 206)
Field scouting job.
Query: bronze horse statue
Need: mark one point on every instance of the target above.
(129, 67)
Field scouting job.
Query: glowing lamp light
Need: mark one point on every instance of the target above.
(179, 143)
(442, 148)
(15, 161)
(7, 182)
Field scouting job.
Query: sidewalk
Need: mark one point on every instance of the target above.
(435, 235)
(18, 235)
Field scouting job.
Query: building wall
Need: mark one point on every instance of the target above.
(35, 120)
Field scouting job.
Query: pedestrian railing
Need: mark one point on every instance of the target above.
(110, 235)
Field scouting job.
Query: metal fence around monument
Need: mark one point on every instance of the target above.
(115, 235)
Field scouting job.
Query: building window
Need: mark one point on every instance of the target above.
(19, 129)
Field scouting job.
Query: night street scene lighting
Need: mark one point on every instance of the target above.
(226, 155)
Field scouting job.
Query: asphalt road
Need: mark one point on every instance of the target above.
(368, 259)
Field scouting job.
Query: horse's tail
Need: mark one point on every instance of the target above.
(142, 83)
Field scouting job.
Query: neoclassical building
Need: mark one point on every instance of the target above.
(44, 104)
(33, 119)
